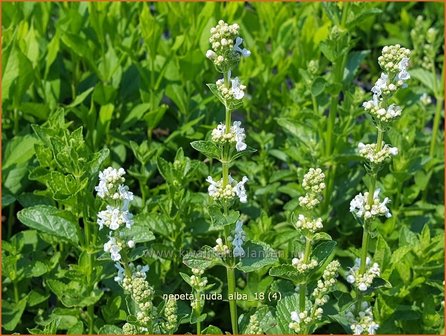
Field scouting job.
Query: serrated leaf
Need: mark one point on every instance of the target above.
(284, 308)
(50, 220)
(219, 219)
(208, 148)
(202, 259)
(288, 272)
(257, 256)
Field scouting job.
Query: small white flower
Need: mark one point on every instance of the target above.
(362, 287)
(131, 243)
(295, 316)
(211, 54)
(121, 273)
(241, 191)
(239, 238)
(113, 247)
(244, 52)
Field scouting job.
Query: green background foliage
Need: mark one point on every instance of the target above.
(90, 84)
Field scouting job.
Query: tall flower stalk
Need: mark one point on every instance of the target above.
(308, 305)
(368, 207)
(118, 220)
(227, 143)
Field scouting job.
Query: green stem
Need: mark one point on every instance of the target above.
(16, 292)
(198, 328)
(303, 287)
(231, 297)
(379, 140)
(16, 121)
(365, 246)
(436, 125)
(225, 166)
(90, 319)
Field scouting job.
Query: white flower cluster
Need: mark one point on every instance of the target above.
(115, 215)
(395, 60)
(363, 324)
(233, 93)
(380, 113)
(198, 284)
(220, 248)
(170, 314)
(218, 191)
(235, 135)
(114, 218)
(226, 45)
(302, 266)
(369, 152)
(329, 281)
(363, 281)
(313, 184)
(312, 225)
(239, 238)
(301, 319)
(360, 206)
(111, 186)
(196, 281)
(425, 99)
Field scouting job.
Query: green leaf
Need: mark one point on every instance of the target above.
(364, 14)
(135, 115)
(322, 251)
(179, 97)
(19, 151)
(139, 232)
(81, 97)
(78, 329)
(284, 308)
(212, 330)
(12, 313)
(109, 329)
(50, 220)
(74, 294)
(288, 272)
(321, 236)
(257, 256)
(208, 148)
(36, 297)
(318, 86)
(219, 220)
(424, 76)
(202, 259)
(165, 169)
(354, 60)
(248, 150)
